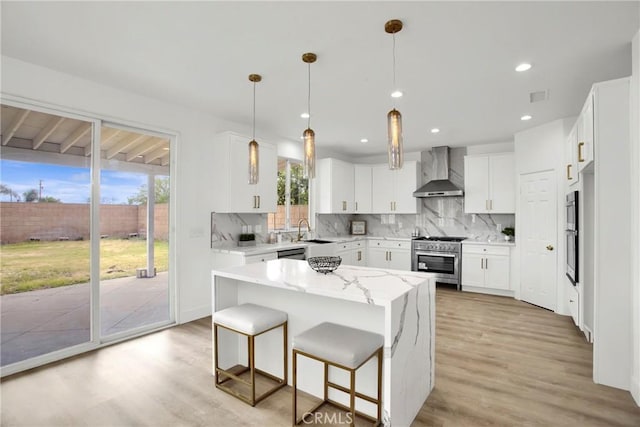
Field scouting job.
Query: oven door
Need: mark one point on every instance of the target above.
(443, 264)
(572, 256)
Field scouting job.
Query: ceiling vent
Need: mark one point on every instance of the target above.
(539, 95)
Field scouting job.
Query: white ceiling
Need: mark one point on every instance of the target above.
(455, 61)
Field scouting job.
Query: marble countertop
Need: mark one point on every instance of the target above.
(487, 243)
(367, 285)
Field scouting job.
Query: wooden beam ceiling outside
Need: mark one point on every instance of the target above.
(75, 136)
(124, 144)
(145, 147)
(51, 126)
(156, 154)
(13, 127)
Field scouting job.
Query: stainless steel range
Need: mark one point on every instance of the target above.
(439, 255)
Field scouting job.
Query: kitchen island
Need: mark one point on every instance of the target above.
(400, 305)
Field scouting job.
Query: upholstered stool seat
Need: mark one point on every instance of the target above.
(343, 347)
(250, 320)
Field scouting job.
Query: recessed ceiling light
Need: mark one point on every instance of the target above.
(525, 117)
(166, 148)
(304, 115)
(396, 94)
(364, 140)
(435, 130)
(523, 67)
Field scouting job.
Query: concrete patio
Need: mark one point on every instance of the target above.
(38, 322)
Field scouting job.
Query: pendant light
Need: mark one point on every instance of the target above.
(254, 158)
(394, 118)
(309, 136)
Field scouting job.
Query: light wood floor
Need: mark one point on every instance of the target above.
(499, 362)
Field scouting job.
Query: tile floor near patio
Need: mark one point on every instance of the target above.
(38, 322)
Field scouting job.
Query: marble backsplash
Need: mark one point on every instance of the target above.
(227, 227)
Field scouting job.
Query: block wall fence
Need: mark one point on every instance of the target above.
(21, 222)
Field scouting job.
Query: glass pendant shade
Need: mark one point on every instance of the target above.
(394, 145)
(253, 162)
(309, 160)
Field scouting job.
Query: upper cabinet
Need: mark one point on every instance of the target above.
(393, 189)
(571, 153)
(233, 193)
(362, 188)
(584, 128)
(489, 183)
(334, 186)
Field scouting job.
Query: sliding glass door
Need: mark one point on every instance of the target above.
(84, 216)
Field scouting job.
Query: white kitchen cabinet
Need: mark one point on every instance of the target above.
(584, 148)
(393, 189)
(391, 254)
(234, 193)
(353, 253)
(334, 186)
(485, 266)
(362, 189)
(489, 183)
(571, 154)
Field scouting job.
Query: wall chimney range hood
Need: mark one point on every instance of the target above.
(440, 186)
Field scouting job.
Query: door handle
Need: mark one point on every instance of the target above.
(580, 156)
(549, 247)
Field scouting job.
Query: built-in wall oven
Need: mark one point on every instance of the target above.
(571, 234)
(439, 255)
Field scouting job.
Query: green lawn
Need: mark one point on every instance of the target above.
(37, 265)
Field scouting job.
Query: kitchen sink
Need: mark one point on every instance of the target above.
(318, 241)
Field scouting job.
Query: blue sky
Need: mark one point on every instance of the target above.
(69, 184)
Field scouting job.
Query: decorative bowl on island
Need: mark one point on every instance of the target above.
(324, 264)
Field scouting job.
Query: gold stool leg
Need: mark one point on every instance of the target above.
(380, 355)
(285, 337)
(352, 398)
(294, 369)
(252, 368)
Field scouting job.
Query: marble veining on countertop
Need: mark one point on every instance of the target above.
(375, 286)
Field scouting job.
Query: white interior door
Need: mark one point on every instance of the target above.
(538, 236)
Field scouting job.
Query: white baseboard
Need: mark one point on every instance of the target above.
(489, 291)
(635, 390)
(187, 316)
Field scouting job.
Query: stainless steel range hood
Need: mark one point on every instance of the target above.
(440, 186)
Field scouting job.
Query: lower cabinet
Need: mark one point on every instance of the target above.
(485, 266)
(391, 254)
(353, 253)
(260, 258)
(573, 300)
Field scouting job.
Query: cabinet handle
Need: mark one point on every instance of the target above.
(258, 202)
(580, 156)
(569, 173)
(486, 263)
(491, 204)
(391, 205)
(481, 263)
(356, 206)
(359, 255)
(344, 205)
(486, 205)
(255, 202)
(395, 208)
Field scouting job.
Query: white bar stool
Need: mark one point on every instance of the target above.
(249, 320)
(345, 348)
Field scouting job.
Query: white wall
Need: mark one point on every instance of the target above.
(540, 149)
(635, 215)
(193, 174)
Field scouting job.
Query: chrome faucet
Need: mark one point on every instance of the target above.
(300, 225)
